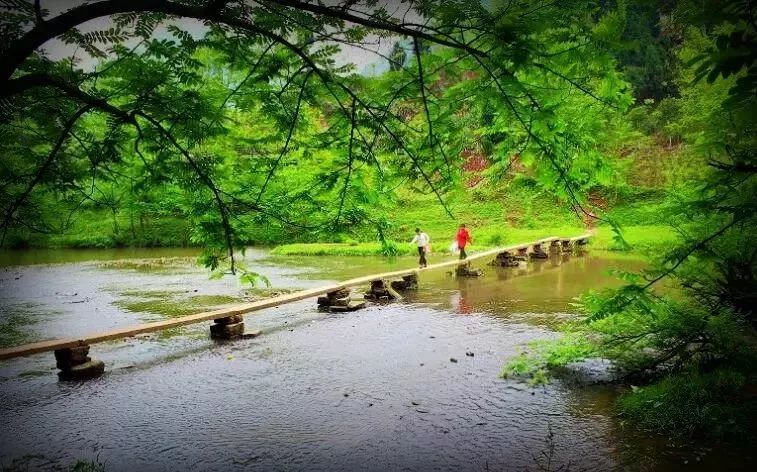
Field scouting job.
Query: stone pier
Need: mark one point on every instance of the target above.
(505, 259)
(538, 252)
(580, 247)
(339, 300)
(75, 364)
(229, 327)
(408, 282)
(465, 270)
(381, 290)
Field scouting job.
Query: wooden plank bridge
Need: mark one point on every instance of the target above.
(71, 353)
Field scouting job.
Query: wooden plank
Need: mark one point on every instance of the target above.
(53, 344)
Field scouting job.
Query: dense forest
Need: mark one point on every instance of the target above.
(223, 124)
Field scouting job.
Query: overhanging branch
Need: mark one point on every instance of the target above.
(67, 127)
(18, 51)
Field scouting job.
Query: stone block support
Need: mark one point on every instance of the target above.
(339, 301)
(465, 270)
(538, 252)
(378, 291)
(505, 259)
(412, 281)
(408, 282)
(75, 363)
(229, 327)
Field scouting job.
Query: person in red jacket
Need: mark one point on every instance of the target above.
(463, 239)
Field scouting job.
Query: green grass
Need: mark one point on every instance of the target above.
(496, 214)
(96, 229)
(480, 208)
(154, 264)
(336, 249)
(642, 239)
(16, 325)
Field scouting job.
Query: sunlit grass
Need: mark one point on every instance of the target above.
(336, 249)
(642, 239)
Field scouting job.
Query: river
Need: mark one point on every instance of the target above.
(375, 389)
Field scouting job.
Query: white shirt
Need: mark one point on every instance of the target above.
(421, 238)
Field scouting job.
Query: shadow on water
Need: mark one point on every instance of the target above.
(376, 389)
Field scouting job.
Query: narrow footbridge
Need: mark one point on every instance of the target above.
(72, 353)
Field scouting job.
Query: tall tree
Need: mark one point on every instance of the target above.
(152, 102)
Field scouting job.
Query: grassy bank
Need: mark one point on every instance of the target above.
(337, 249)
(102, 229)
(642, 239)
(497, 215)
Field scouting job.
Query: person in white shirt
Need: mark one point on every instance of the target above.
(422, 240)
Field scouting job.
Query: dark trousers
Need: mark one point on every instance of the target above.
(463, 255)
(422, 256)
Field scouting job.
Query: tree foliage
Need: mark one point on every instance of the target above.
(216, 124)
(700, 327)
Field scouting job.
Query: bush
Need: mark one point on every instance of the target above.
(496, 239)
(389, 248)
(692, 404)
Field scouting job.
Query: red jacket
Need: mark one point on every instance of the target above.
(463, 237)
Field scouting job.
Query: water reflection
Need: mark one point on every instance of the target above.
(462, 299)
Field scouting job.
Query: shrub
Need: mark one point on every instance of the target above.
(692, 404)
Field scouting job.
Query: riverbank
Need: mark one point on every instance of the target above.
(515, 212)
(642, 240)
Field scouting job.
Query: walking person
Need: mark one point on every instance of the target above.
(422, 240)
(463, 239)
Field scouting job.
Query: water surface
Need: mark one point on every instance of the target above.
(376, 389)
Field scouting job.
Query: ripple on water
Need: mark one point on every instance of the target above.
(370, 390)
(345, 392)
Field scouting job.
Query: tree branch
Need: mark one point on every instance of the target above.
(432, 140)
(321, 9)
(547, 152)
(699, 245)
(288, 139)
(353, 124)
(38, 12)
(67, 127)
(29, 81)
(228, 232)
(18, 51)
(575, 84)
